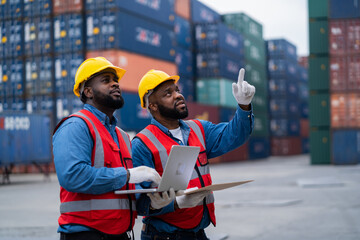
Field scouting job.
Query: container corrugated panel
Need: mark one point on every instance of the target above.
(318, 9)
(353, 36)
(161, 12)
(66, 66)
(37, 8)
(318, 36)
(281, 68)
(353, 110)
(182, 8)
(66, 104)
(132, 117)
(200, 13)
(344, 8)
(320, 146)
(40, 104)
(187, 88)
(38, 75)
(337, 37)
(304, 127)
(203, 112)
(281, 48)
(319, 109)
(285, 146)
(184, 62)
(319, 73)
(260, 102)
(109, 29)
(136, 66)
(37, 35)
(182, 29)
(353, 74)
(261, 126)
(10, 9)
(256, 75)
(255, 51)
(283, 88)
(338, 110)
(284, 108)
(303, 73)
(284, 127)
(345, 147)
(259, 147)
(15, 103)
(217, 92)
(11, 76)
(66, 6)
(11, 42)
(303, 91)
(304, 109)
(226, 114)
(24, 139)
(68, 32)
(244, 24)
(218, 64)
(217, 36)
(338, 73)
(305, 145)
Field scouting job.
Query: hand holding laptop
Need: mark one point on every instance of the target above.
(144, 174)
(191, 200)
(161, 200)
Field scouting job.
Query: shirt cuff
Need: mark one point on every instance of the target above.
(120, 177)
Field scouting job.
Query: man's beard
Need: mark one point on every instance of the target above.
(173, 113)
(108, 101)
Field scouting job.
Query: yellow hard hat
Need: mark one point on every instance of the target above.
(91, 66)
(151, 80)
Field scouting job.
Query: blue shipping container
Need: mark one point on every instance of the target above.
(11, 42)
(37, 8)
(284, 108)
(201, 13)
(259, 147)
(211, 37)
(344, 9)
(24, 139)
(284, 127)
(66, 104)
(66, 66)
(160, 11)
(281, 68)
(182, 31)
(109, 29)
(132, 117)
(218, 64)
(305, 145)
(282, 49)
(346, 147)
(187, 88)
(10, 9)
(11, 75)
(40, 104)
(68, 32)
(184, 62)
(304, 109)
(38, 75)
(37, 35)
(280, 87)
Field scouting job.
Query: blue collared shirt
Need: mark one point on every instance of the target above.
(72, 149)
(219, 139)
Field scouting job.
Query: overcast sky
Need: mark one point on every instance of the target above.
(280, 18)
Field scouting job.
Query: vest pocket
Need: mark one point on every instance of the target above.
(202, 159)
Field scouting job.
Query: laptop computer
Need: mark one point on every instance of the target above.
(177, 173)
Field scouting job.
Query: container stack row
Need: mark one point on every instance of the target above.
(287, 99)
(334, 81)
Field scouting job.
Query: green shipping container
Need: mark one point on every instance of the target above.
(260, 102)
(244, 24)
(320, 146)
(318, 8)
(256, 75)
(261, 126)
(319, 109)
(318, 37)
(255, 51)
(216, 92)
(319, 73)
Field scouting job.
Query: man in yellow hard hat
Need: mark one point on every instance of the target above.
(186, 216)
(93, 159)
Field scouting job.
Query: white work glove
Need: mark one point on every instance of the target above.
(161, 200)
(191, 200)
(144, 174)
(242, 90)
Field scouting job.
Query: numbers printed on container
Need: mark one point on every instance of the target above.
(17, 123)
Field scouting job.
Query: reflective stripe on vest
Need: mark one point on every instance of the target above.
(126, 139)
(197, 131)
(96, 204)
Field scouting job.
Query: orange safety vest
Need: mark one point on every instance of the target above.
(109, 213)
(160, 145)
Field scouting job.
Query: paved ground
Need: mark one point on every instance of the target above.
(289, 199)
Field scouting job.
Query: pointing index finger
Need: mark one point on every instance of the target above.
(241, 75)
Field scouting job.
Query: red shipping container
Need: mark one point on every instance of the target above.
(304, 127)
(304, 61)
(353, 36)
(135, 65)
(338, 110)
(353, 67)
(337, 37)
(182, 8)
(353, 112)
(338, 73)
(284, 146)
(239, 154)
(65, 6)
(203, 112)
